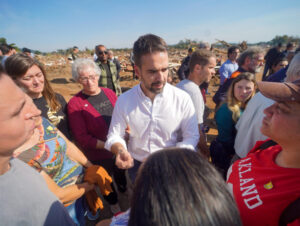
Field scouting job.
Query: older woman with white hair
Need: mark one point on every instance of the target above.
(89, 113)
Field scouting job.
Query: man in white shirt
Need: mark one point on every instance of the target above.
(158, 114)
(202, 68)
(230, 65)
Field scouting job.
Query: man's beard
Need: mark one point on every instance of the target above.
(257, 69)
(156, 90)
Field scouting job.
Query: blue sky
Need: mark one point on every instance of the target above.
(60, 24)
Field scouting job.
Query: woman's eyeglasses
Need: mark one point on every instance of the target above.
(85, 79)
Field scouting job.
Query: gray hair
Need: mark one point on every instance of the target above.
(83, 64)
(293, 72)
(204, 45)
(251, 53)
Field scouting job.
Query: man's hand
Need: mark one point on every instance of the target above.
(123, 159)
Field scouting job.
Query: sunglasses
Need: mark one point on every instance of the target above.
(103, 52)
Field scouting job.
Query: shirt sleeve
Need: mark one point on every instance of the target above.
(249, 125)
(117, 127)
(199, 105)
(189, 126)
(223, 74)
(225, 124)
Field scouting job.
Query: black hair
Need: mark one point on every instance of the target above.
(231, 49)
(145, 44)
(178, 186)
(5, 48)
(26, 50)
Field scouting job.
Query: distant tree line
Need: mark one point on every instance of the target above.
(182, 44)
(283, 39)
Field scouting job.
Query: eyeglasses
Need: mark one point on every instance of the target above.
(260, 61)
(103, 52)
(85, 79)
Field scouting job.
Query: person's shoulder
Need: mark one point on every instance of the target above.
(75, 98)
(60, 98)
(189, 86)
(227, 62)
(19, 165)
(223, 109)
(111, 63)
(177, 94)
(129, 94)
(175, 90)
(183, 83)
(108, 91)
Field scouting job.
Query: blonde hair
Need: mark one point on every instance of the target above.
(234, 104)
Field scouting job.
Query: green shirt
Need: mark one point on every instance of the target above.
(105, 77)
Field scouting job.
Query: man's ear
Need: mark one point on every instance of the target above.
(198, 67)
(137, 71)
(248, 60)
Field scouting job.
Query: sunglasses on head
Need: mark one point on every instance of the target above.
(102, 52)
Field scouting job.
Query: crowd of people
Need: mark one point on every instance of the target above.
(60, 161)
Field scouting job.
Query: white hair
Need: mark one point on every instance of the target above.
(293, 72)
(84, 64)
(204, 45)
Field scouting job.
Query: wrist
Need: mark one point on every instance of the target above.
(88, 164)
(100, 144)
(88, 186)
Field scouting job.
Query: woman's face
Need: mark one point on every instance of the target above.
(89, 81)
(243, 90)
(281, 64)
(32, 82)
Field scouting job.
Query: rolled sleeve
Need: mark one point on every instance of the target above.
(117, 128)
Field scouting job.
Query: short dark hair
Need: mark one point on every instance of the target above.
(145, 44)
(26, 50)
(190, 50)
(5, 48)
(97, 46)
(201, 57)
(278, 59)
(231, 49)
(177, 186)
(289, 45)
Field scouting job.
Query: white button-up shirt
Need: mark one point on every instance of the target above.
(167, 122)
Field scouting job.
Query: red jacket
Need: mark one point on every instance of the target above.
(87, 125)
